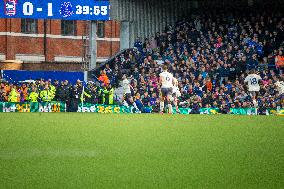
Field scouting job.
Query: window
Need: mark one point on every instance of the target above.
(29, 25)
(101, 29)
(68, 27)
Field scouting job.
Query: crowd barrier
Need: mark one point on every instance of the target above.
(33, 107)
(97, 108)
(116, 109)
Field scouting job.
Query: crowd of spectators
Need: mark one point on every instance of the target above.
(61, 91)
(210, 55)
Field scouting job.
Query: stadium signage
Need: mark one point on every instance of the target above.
(55, 9)
(33, 107)
(113, 109)
(97, 108)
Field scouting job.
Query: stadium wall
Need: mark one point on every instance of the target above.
(62, 66)
(29, 47)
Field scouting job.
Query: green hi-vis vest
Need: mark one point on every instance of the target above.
(52, 90)
(46, 95)
(33, 97)
(13, 96)
(111, 96)
(83, 96)
(108, 95)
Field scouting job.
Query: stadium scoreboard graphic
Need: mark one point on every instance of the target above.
(55, 9)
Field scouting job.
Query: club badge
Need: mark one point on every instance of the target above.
(10, 7)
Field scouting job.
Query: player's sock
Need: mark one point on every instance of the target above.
(170, 108)
(177, 110)
(176, 105)
(161, 106)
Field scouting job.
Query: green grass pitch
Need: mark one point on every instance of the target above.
(74, 150)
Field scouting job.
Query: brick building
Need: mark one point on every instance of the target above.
(54, 44)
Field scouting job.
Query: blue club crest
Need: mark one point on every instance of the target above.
(66, 9)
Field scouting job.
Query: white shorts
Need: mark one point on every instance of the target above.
(176, 92)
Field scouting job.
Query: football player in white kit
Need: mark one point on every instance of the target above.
(280, 86)
(126, 86)
(253, 83)
(176, 94)
(166, 82)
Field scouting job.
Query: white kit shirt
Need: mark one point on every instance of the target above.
(253, 82)
(167, 79)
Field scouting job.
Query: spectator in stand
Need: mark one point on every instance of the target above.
(195, 107)
(3, 94)
(109, 95)
(24, 93)
(46, 95)
(224, 73)
(14, 95)
(252, 63)
(139, 103)
(104, 78)
(75, 97)
(146, 99)
(61, 92)
(33, 96)
(138, 44)
(279, 61)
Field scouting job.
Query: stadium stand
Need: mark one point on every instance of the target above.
(210, 55)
